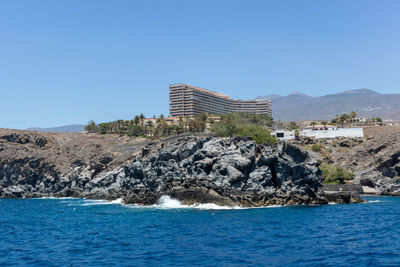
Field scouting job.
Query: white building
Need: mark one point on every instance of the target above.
(320, 132)
(333, 133)
(283, 135)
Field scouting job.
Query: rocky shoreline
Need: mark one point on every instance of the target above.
(224, 171)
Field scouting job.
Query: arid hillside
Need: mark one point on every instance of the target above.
(65, 152)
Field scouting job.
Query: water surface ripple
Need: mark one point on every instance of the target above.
(76, 232)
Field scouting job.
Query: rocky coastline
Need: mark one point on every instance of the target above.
(224, 171)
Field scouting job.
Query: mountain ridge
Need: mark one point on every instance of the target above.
(365, 102)
(72, 128)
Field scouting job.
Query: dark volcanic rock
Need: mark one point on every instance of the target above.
(25, 139)
(227, 171)
(344, 197)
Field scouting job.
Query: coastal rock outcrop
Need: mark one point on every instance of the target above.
(226, 171)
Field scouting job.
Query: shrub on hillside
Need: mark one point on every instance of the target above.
(243, 119)
(333, 174)
(259, 134)
(316, 147)
(135, 130)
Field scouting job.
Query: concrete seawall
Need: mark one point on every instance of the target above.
(343, 193)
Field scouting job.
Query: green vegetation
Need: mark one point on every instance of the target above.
(345, 118)
(352, 118)
(293, 126)
(135, 127)
(232, 124)
(257, 133)
(297, 134)
(243, 118)
(198, 123)
(353, 115)
(333, 174)
(91, 127)
(245, 124)
(316, 147)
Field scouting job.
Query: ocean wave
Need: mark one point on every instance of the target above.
(167, 202)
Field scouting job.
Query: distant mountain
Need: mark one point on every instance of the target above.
(75, 128)
(365, 102)
(270, 97)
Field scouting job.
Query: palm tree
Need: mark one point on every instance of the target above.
(142, 119)
(293, 125)
(297, 134)
(313, 123)
(186, 123)
(180, 122)
(343, 118)
(353, 115)
(136, 120)
(119, 125)
(91, 127)
(164, 128)
(149, 126)
(324, 123)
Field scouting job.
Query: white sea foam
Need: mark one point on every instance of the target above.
(92, 202)
(167, 202)
(56, 198)
(212, 206)
(374, 201)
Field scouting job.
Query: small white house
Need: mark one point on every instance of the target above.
(283, 135)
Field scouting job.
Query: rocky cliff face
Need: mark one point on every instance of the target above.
(43, 164)
(228, 171)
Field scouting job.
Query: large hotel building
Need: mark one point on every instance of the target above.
(187, 101)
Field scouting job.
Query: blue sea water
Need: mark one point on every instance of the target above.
(78, 232)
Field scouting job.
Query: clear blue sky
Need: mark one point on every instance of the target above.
(66, 62)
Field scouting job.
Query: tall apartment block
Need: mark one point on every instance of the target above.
(187, 101)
